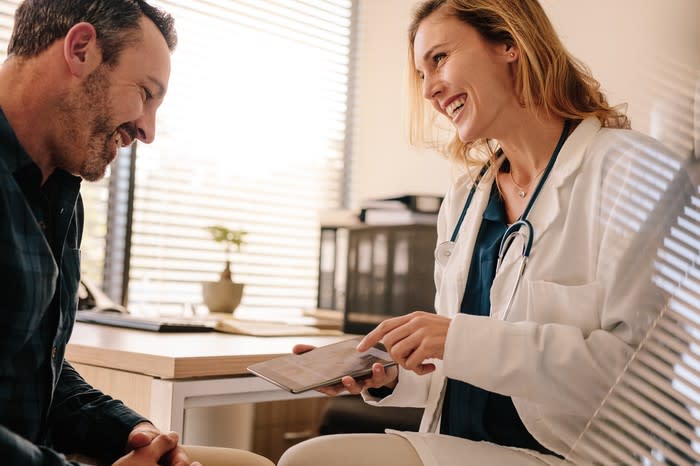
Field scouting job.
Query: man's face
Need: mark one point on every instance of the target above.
(114, 106)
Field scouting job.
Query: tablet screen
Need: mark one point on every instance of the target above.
(325, 365)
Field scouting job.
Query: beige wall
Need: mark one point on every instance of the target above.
(640, 50)
(384, 164)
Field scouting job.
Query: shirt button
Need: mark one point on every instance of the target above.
(53, 352)
(60, 212)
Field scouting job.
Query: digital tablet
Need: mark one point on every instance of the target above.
(322, 366)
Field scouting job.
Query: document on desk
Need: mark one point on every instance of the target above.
(270, 329)
(322, 366)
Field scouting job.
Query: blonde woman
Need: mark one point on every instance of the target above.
(544, 258)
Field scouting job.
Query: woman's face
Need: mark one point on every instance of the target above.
(466, 78)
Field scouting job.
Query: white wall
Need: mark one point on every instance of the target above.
(640, 50)
(384, 163)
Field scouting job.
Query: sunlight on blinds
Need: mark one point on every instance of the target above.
(251, 135)
(651, 415)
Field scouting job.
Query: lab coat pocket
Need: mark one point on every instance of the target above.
(576, 305)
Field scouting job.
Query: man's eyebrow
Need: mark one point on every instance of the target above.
(161, 88)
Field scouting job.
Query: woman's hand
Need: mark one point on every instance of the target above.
(379, 378)
(411, 339)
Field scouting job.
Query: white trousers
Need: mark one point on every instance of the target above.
(395, 450)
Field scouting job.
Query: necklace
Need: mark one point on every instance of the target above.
(522, 190)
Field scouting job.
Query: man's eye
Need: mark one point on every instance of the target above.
(147, 94)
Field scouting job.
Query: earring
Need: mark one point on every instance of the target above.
(512, 54)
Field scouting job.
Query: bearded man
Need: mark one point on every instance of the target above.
(82, 79)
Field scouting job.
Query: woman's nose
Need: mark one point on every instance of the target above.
(431, 86)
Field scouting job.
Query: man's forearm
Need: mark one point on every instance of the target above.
(85, 420)
(15, 449)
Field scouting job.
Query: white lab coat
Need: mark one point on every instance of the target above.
(584, 302)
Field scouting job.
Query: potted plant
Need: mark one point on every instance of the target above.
(224, 295)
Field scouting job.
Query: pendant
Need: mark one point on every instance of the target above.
(521, 194)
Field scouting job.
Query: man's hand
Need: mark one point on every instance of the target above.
(379, 378)
(411, 339)
(159, 451)
(145, 440)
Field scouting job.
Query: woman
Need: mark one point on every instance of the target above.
(516, 360)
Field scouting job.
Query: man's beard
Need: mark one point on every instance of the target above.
(87, 129)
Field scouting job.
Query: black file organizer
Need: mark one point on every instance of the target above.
(332, 267)
(389, 273)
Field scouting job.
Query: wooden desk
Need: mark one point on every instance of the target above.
(162, 374)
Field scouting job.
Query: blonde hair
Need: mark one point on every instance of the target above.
(547, 78)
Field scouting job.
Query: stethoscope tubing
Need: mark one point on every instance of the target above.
(514, 230)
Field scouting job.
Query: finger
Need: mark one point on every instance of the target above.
(177, 457)
(376, 335)
(410, 348)
(141, 438)
(423, 369)
(301, 348)
(332, 390)
(379, 378)
(399, 334)
(427, 348)
(161, 445)
(352, 386)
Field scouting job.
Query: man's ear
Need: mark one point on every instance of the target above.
(81, 51)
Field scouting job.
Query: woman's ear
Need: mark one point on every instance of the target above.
(511, 53)
(81, 51)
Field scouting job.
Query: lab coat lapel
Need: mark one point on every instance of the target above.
(457, 269)
(546, 209)
(548, 203)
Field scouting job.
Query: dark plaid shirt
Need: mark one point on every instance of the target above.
(45, 406)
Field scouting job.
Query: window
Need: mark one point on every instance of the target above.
(253, 135)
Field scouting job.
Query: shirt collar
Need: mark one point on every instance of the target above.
(495, 209)
(13, 154)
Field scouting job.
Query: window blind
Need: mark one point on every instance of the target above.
(95, 195)
(651, 415)
(252, 135)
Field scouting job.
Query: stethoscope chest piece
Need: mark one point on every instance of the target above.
(443, 252)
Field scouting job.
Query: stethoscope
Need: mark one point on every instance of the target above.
(521, 228)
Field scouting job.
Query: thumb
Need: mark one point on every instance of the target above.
(141, 438)
(162, 444)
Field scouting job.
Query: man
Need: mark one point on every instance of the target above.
(82, 79)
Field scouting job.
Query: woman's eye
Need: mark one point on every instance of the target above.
(438, 57)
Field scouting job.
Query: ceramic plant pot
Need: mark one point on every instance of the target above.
(222, 296)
